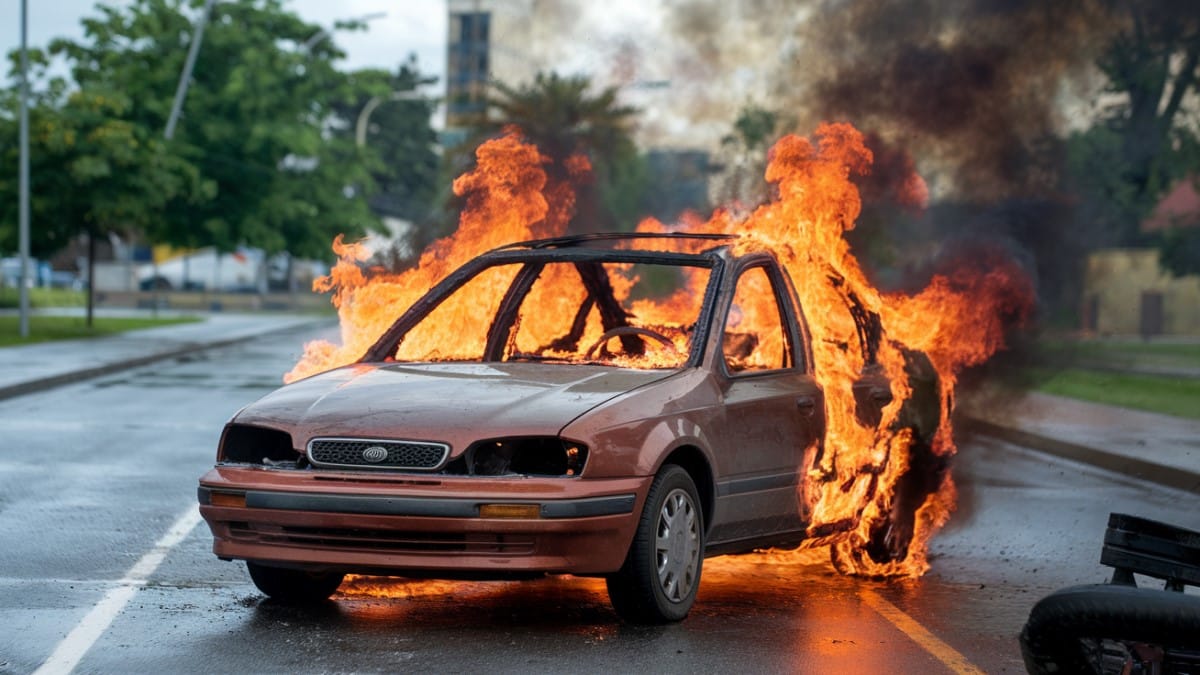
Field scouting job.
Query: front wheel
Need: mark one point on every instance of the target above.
(658, 582)
(298, 587)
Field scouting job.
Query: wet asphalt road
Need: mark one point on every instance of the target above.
(94, 474)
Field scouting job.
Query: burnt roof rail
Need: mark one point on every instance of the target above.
(580, 239)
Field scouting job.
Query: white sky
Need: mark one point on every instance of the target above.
(411, 26)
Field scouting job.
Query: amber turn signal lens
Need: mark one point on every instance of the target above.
(510, 510)
(228, 499)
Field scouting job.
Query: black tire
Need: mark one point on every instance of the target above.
(1051, 639)
(658, 582)
(296, 587)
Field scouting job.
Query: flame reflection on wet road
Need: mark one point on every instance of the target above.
(830, 621)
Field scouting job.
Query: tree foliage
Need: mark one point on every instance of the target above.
(1146, 138)
(400, 144)
(264, 153)
(252, 122)
(1152, 63)
(563, 117)
(744, 156)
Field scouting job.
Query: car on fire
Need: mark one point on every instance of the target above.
(619, 406)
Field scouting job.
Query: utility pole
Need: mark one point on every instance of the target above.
(23, 179)
(360, 127)
(186, 76)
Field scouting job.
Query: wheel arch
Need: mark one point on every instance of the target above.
(693, 460)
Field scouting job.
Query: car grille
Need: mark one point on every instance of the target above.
(347, 539)
(376, 454)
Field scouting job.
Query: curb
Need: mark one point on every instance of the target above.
(1133, 467)
(53, 381)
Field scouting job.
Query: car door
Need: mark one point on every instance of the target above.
(772, 415)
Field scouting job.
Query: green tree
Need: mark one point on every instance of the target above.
(744, 156)
(563, 118)
(45, 99)
(400, 143)
(1152, 63)
(253, 125)
(1147, 138)
(92, 171)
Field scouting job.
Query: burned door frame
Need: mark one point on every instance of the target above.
(775, 418)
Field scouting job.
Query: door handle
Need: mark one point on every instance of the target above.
(807, 404)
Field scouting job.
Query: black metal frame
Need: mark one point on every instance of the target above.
(534, 255)
(581, 239)
(1134, 545)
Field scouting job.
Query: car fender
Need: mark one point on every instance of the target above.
(633, 434)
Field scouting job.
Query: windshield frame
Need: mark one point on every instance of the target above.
(388, 344)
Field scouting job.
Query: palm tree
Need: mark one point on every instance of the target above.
(563, 118)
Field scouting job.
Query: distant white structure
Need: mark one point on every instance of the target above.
(242, 271)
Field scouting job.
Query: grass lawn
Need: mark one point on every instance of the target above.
(43, 297)
(1125, 353)
(44, 328)
(1167, 395)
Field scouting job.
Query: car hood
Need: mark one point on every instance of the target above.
(453, 403)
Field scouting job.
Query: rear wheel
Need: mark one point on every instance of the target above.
(294, 586)
(661, 574)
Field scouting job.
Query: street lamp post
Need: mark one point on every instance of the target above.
(23, 174)
(360, 127)
(186, 75)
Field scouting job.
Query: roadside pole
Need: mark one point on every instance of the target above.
(23, 179)
(185, 78)
(188, 65)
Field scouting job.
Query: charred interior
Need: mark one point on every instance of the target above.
(561, 304)
(535, 456)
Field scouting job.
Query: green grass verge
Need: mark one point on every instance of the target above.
(46, 328)
(10, 297)
(1130, 353)
(1171, 396)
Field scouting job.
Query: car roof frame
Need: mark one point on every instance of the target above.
(713, 258)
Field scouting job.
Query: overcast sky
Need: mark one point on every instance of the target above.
(409, 27)
(622, 43)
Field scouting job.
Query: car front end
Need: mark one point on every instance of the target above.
(349, 471)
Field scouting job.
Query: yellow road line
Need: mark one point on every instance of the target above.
(943, 652)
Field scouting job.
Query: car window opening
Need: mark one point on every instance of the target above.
(755, 337)
(631, 315)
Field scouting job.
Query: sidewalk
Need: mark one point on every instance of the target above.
(1148, 446)
(25, 369)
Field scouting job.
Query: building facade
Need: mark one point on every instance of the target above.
(1127, 293)
(490, 40)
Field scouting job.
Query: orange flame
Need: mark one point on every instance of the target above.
(857, 491)
(507, 201)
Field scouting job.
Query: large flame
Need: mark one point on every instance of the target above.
(859, 334)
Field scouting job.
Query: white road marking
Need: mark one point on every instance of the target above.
(72, 648)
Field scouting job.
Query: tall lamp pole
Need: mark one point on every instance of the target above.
(360, 127)
(186, 75)
(23, 172)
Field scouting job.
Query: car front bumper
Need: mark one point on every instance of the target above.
(421, 525)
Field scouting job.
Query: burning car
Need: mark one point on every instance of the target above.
(620, 406)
